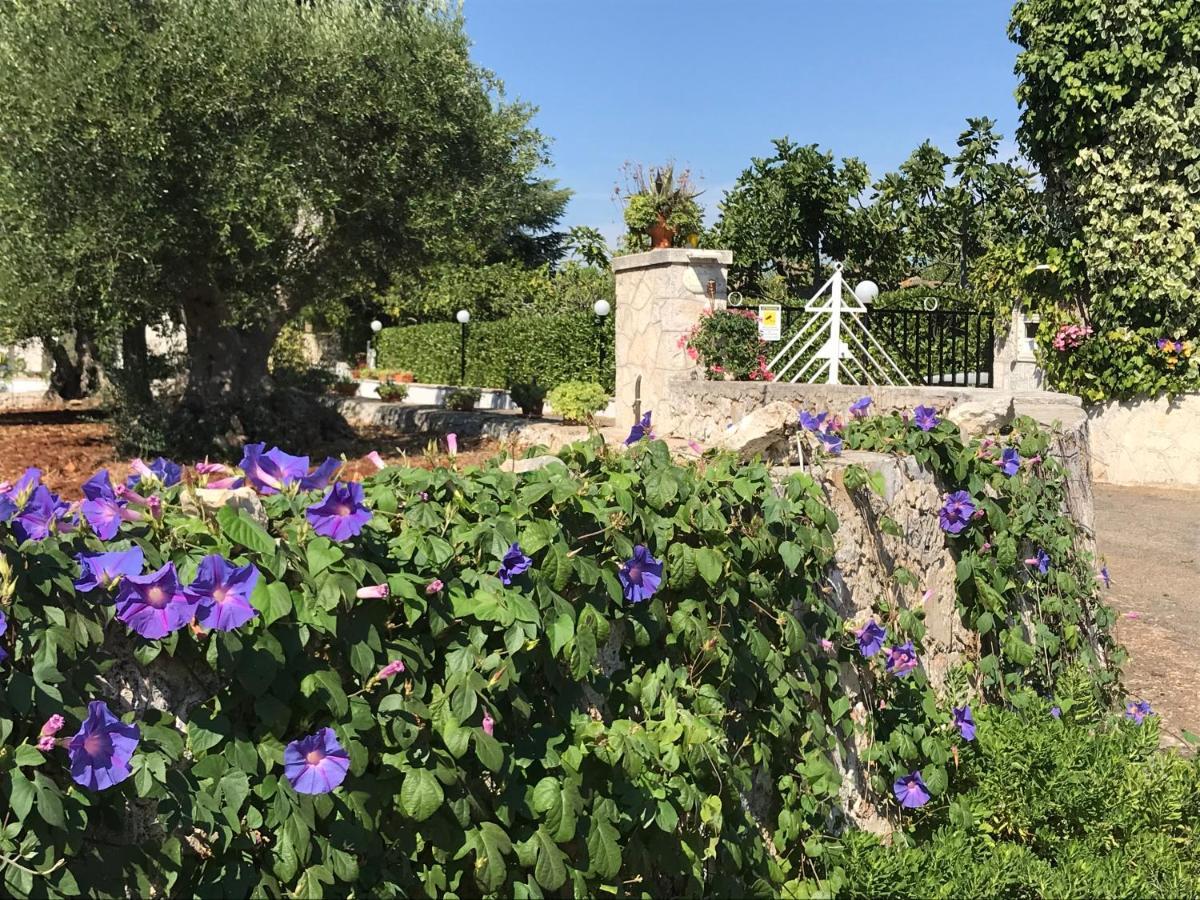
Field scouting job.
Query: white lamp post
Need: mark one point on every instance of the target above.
(376, 327)
(601, 308)
(463, 318)
(865, 292)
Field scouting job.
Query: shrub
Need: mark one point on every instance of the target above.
(727, 344)
(578, 401)
(392, 393)
(463, 399)
(529, 395)
(549, 348)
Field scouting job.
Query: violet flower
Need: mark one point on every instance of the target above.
(901, 660)
(1056, 712)
(964, 722)
(3, 629)
(101, 750)
(104, 508)
(1137, 710)
(153, 605)
(340, 514)
(316, 764)
(641, 575)
(273, 471)
(1040, 561)
(163, 471)
(434, 586)
(395, 667)
(1104, 576)
(514, 563)
(911, 791)
(858, 409)
(925, 418)
(870, 638)
(39, 515)
(221, 593)
(1010, 461)
(98, 570)
(641, 429)
(809, 422)
(832, 442)
(956, 512)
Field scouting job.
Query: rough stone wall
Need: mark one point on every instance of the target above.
(660, 296)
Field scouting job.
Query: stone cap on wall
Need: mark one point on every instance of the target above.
(671, 256)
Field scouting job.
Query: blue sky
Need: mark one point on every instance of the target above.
(866, 78)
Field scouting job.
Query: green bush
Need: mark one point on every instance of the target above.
(551, 349)
(463, 399)
(578, 401)
(392, 393)
(1080, 806)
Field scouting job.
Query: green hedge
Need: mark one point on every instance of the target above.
(552, 349)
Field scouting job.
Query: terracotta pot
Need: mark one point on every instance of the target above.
(661, 234)
(405, 378)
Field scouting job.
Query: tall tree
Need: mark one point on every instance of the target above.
(790, 213)
(224, 164)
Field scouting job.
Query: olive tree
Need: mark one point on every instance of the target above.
(221, 165)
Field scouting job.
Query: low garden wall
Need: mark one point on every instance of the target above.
(1147, 442)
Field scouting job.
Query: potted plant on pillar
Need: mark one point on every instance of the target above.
(661, 207)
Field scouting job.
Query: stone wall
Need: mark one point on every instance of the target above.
(660, 295)
(1147, 442)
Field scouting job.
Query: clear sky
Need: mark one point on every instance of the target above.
(709, 83)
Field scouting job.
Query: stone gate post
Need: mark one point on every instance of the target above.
(660, 295)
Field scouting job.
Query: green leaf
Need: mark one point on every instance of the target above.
(490, 844)
(241, 529)
(791, 555)
(560, 629)
(604, 851)
(320, 554)
(28, 755)
(20, 794)
(420, 795)
(204, 732)
(49, 801)
(709, 564)
(550, 870)
(489, 751)
(558, 806)
(273, 600)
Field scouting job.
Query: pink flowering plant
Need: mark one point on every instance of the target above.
(726, 343)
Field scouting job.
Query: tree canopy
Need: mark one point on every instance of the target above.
(225, 164)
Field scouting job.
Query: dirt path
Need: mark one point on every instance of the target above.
(1151, 538)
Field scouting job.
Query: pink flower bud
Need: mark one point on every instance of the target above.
(373, 592)
(155, 505)
(489, 724)
(211, 468)
(376, 460)
(53, 725)
(46, 743)
(393, 668)
(142, 469)
(434, 586)
(452, 444)
(827, 645)
(223, 483)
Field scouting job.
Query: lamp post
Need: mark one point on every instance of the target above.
(601, 308)
(463, 318)
(376, 327)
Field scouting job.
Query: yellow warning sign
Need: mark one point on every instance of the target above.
(770, 321)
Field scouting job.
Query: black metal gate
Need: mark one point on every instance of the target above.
(937, 347)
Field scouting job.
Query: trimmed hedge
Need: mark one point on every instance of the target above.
(552, 349)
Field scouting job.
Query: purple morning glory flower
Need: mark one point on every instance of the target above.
(956, 512)
(901, 660)
(103, 509)
(911, 791)
(831, 442)
(870, 638)
(964, 722)
(98, 570)
(7, 507)
(340, 514)
(153, 605)
(1104, 576)
(641, 575)
(162, 470)
(514, 563)
(40, 513)
(274, 470)
(316, 764)
(1040, 561)
(1056, 712)
(641, 429)
(221, 593)
(101, 751)
(810, 422)
(925, 418)
(1010, 461)
(3, 629)
(1137, 710)
(858, 409)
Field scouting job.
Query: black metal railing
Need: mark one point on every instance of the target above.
(938, 347)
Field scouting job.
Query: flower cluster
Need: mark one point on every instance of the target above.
(826, 428)
(1071, 337)
(1174, 350)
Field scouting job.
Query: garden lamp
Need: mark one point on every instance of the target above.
(463, 318)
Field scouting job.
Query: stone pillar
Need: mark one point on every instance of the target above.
(660, 296)
(1014, 365)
